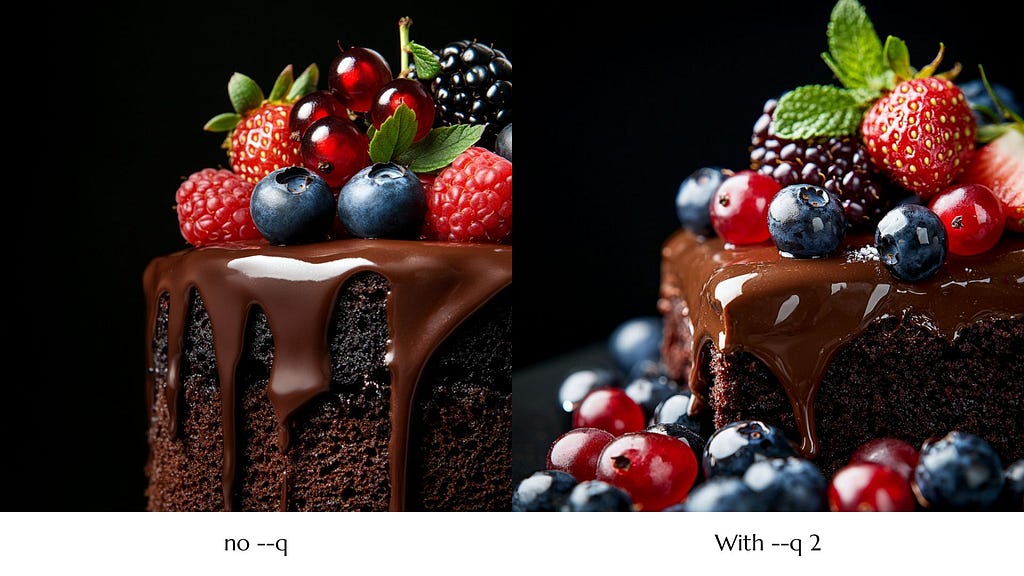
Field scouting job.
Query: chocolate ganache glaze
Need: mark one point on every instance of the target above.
(794, 314)
(433, 288)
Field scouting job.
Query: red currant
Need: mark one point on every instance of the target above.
(312, 107)
(356, 75)
(335, 148)
(576, 452)
(870, 487)
(739, 208)
(893, 453)
(413, 95)
(656, 470)
(973, 217)
(611, 410)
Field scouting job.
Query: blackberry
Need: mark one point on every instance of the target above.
(838, 164)
(474, 86)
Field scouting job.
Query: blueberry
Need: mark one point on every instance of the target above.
(789, 484)
(1012, 496)
(911, 242)
(724, 494)
(503, 145)
(979, 98)
(960, 471)
(543, 491)
(806, 221)
(648, 393)
(647, 369)
(694, 197)
(676, 410)
(694, 440)
(579, 383)
(598, 496)
(384, 200)
(292, 206)
(734, 447)
(636, 340)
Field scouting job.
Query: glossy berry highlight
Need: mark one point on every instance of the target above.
(609, 409)
(356, 76)
(656, 470)
(739, 208)
(577, 450)
(973, 218)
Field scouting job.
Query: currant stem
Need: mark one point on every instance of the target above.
(403, 40)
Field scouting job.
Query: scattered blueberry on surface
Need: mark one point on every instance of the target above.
(1012, 496)
(911, 242)
(959, 471)
(676, 410)
(724, 494)
(383, 200)
(647, 369)
(598, 496)
(806, 221)
(648, 393)
(978, 97)
(543, 491)
(579, 383)
(636, 340)
(694, 197)
(733, 448)
(789, 484)
(503, 145)
(292, 206)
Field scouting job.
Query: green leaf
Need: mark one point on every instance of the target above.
(818, 111)
(427, 64)
(855, 50)
(440, 146)
(989, 132)
(244, 92)
(304, 84)
(931, 67)
(898, 57)
(283, 83)
(223, 122)
(395, 135)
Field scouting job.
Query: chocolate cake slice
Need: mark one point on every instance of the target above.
(836, 351)
(343, 375)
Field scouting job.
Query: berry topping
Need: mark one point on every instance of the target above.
(597, 496)
(656, 470)
(292, 206)
(694, 440)
(474, 86)
(503, 145)
(543, 491)
(410, 93)
(577, 450)
(635, 340)
(788, 484)
(734, 447)
(892, 453)
(310, 108)
(911, 242)
(579, 383)
(959, 471)
(999, 165)
(334, 148)
(213, 208)
(382, 201)
(724, 494)
(973, 218)
(806, 221)
(739, 208)
(609, 409)
(693, 199)
(648, 393)
(471, 200)
(869, 487)
(676, 410)
(356, 76)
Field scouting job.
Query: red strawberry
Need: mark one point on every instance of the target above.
(259, 141)
(1000, 166)
(921, 134)
(471, 200)
(213, 208)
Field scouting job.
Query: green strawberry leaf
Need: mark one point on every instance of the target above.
(427, 65)
(818, 111)
(244, 92)
(855, 50)
(304, 84)
(931, 67)
(898, 57)
(440, 146)
(283, 83)
(223, 122)
(395, 135)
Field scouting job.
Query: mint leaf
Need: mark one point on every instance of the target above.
(440, 146)
(244, 93)
(427, 65)
(818, 111)
(898, 57)
(855, 51)
(395, 135)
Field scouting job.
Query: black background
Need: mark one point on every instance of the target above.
(623, 105)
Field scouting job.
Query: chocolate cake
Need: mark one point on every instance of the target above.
(836, 351)
(340, 375)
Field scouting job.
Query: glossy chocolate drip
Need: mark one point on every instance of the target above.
(794, 315)
(433, 288)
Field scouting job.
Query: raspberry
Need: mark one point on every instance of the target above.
(213, 208)
(471, 200)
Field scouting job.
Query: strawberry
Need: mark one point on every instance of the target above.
(213, 208)
(259, 140)
(999, 165)
(921, 134)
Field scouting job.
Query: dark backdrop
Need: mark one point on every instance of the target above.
(105, 111)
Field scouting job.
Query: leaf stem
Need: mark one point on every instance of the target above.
(403, 39)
